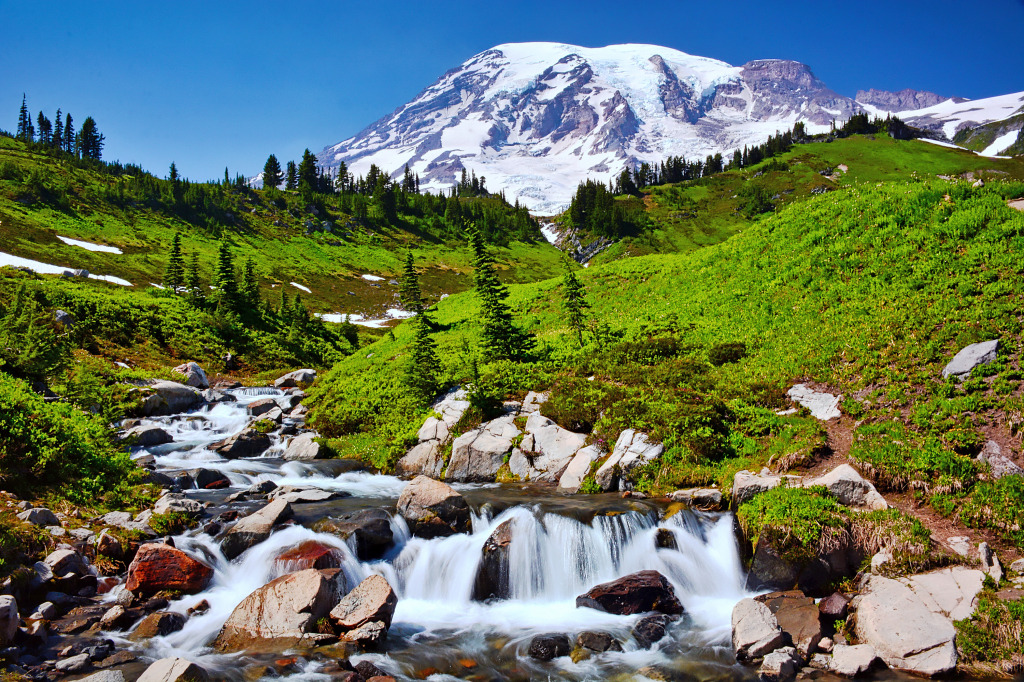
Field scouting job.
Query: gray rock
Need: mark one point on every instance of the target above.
(174, 670)
(194, 375)
(9, 619)
(424, 458)
(178, 502)
(974, 355)
(64, 561)
(961, 544)
(433, 509)
(632, 450)
(572, 478)
(533, 401)
(171, 398)
(478, 454)
(850, 488)
(701, 498)
(247, 443)
(780, 665)
(105, 676)
(1017, 566)
(746, 484)
(755, 631)
(73, 664)
(433, 429)
(39, 516)
(1000, 464)
(299, 377)
(990, 562)
(255, 528)
(823, 406)
(301, 494)
(213, 396)
(258, 408)
(850, 661)
(64, 318)
(547, 449)
(147, 436)
(303, 448)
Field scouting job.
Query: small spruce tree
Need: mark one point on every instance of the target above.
(272, 175)
(574, 300)
(500, 337)
(174, 275)
(409, 290)
(291, 180)
(251, 284)
(193, 285)
(224, 277)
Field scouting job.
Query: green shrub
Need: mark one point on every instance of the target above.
(576, 403)
(722, 353)
(993, 637)
(796, 521)
(172, 523)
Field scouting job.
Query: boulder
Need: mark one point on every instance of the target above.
(105, 676)
(433, 509)
(650, 629)
(209, 479)
(850, 488)
(147, 436)
(478, 454)
(114, 618)
(578, 468)
(214, 396)
(39, 516)
(834, 607)
(974, 355)
(159, 624)
(746, 484)
(424, 458)
(903, 630)
(533, 401)
(780, 665)
(9, 620)
(951, 592)
(174, 670)
(709, 499)
(64, 561)
(304, 447)
(770, 570)
(283, 613)
(547, 449)
(635, 593)
(1000, 464)
(632, 450)
(299, 377)
(798, 616)
(823, 406)
(73, 664)
(177, 502)
(371, 601)
(549, 647)
(451, 406)
(492, 577)
(433, 429)
(990, 562)
(296, 494)
(367, 530)
(850, 661)
(171, 398)
(194, 375)
(597, 641)
(247, 443)
(310, 554)
(258, 408)
(755, 631)
(368, 636)
(158, 567)
(255, 528)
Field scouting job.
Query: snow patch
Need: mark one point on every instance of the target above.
(47, 269)
(391, 315)
(299, 286)
(1001, 144)
(89, 246)
(372, 278)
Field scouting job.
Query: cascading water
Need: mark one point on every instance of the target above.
(552, 557)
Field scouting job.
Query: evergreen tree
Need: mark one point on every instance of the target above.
(193, 285)
(69, 134)
(409, 291)
(174, 276)
(424, 368)
(90, 141)
(574, 300)
(24, 121)
(45, 128)
(500, 337)
(308, 174)
(272, 175)
(172, 174)
(291, 177)
(58, 132)
(251, 284)
(224, 277)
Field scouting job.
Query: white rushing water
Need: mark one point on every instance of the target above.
(552, 559)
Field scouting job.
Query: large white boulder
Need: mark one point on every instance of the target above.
(174, 670)
(171, 397)
(747, 484)
(194, 375)
(823, 406)
(303, 448)
(632, 450)
(850, 661)
(974, 355)
(299, 377)
(9, 619)
(424, 458)
(478, 454)
(850, 488)
(572, 478)
(545, 451)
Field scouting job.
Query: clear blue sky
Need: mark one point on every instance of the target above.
(215, 84)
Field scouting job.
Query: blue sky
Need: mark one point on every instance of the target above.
(215, 84)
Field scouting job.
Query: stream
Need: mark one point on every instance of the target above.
(562, 545)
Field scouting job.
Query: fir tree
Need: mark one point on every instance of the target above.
(24, 121)
(500, 338)
(308, 175)
(424, 368)
(90, 141)
(574, 300)
(193, 285)
(291, 180)
(172, 174)
(69, 134)
(272, 175)
(409, 291)
(251, 284)
(224, 277)
(58, 132)
(174, 276)
(45, 128)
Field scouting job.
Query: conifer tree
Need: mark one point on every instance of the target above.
(57, 141)
(193, 285)
(308, 174)
(251, 284)
(172, 174)
(90, 141)
(69, 134)
(409, 290)
(174, 276)
(272, 175)
(574, 301)
(291, 180)
(224, 277)
(424, 368)
(500, 337)
(45, 128)
(24, 121)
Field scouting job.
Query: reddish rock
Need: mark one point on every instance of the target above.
(159, 567)
(433, 509)
(635, 593)
(310, 554)
(797, 615)
(833, 608)
(371, 601)
(158, 624)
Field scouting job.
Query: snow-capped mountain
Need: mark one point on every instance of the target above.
(536, 118)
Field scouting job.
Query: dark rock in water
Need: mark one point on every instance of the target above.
(834, 607)
(370, 529)
(158, 624)
(183, 480)
(635, 593)
(770, 570)
(650, 629)
(208, 479)
(797, 615)
(368, 670)
(548, 647)
(597, 641)
(492, 576)
(665, 539)
(255, 528)
(433, 509)
(248, 443)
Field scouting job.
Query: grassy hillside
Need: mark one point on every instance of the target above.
(691, 215)
(43, 197)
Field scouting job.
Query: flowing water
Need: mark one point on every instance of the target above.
(561, 546)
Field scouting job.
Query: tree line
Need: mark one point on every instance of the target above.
(59, 135)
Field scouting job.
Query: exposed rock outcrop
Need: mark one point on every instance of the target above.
(545, 451)
(478, 454)
(632, 450)
(433, 509)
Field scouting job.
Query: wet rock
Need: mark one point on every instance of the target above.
(834, 608)
(298, 378)
(433, 509)
(310, 554)
(699, 498)
(258, 408)
(755, 631)
(798, 616)
(209, 479)
(283, 613)
(850, 488)
(371, 601)
(665, 539)
(39, 516)
(823, 406)
(549, 647)
(367, 670)
(114, 619)
(597, 641)
(73, 664)
(850, 661)
(9, 619)
(200, 608)
(635, 593)
(261, 488)
(780, 665)
(45, 611)
(296, 494)
(174, 670)
(212, 396)
(194, 375)
(64, 561)
(770, 570)
(158, 624)
(368, 635)
(632, 450)
(478, 454)
(650, 629)
(369, 530)
(578, 468)
(975, 355)
(492, 579)
(170, 397)
(303, 448)
(158, 567)
(255, 528)
(177, 502)
(247, 443)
